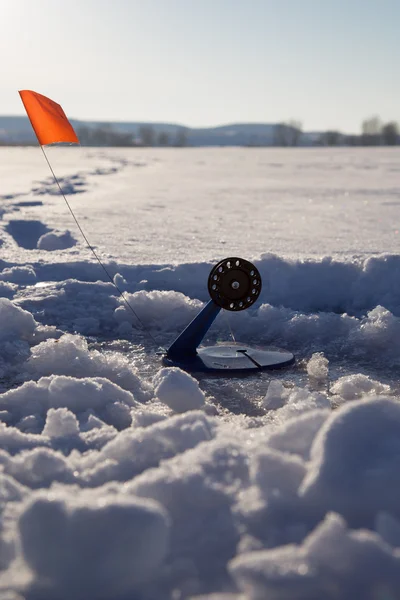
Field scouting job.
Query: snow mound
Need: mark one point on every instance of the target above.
(56, 241)
(332, 562)
(353, 387)
(317, 367)
(331, 285)
(355, 459)
(17, 329)
(23, 275)
(276, 395)
(70, 355)
(92, 547)
(296, 436)
(60, 423)
(136, 450)
(202, 481)
(179, 390)
(101, 397)
(166, 310)
(299, 401)
(7, 290)
(379, 334)
(15, 322)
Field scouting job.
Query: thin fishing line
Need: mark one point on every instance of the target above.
(229, 324)
(95, 253)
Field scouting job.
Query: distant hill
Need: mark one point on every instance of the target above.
(237, 134)
(17, 130)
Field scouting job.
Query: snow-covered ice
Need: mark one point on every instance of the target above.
(124, 479)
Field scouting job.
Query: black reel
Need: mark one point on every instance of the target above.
(234, 284)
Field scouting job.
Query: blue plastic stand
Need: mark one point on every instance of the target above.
(185, 346)
(185, 353)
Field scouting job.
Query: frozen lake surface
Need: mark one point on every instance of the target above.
(180, 205)
(254, 487)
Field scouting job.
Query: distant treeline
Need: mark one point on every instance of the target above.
(107, 135)
(373, 133)
(285, 134)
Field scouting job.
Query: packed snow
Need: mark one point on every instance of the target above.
(125, 479)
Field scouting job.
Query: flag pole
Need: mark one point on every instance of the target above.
(89, 245)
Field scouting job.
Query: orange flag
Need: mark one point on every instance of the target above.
(47, 119)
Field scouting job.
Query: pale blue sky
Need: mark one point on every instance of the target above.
(328, 63)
